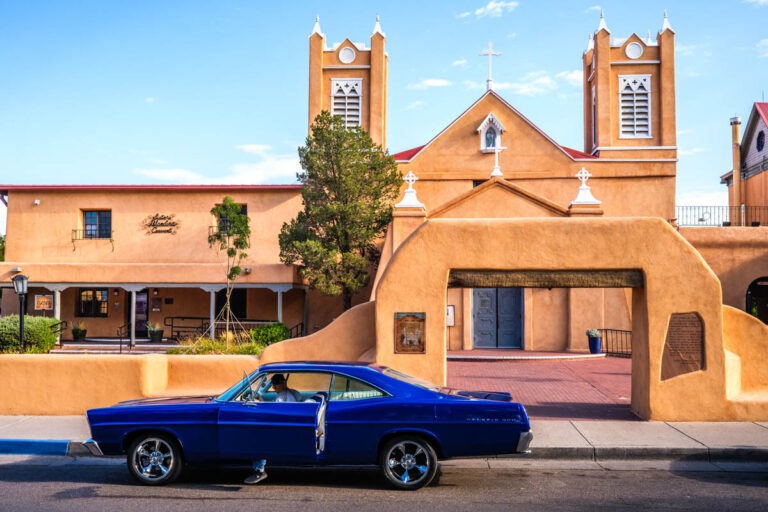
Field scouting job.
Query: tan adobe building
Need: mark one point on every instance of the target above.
(503, 239)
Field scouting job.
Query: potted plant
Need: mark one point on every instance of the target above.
(595, 341)
(155, 331)
(79, 330)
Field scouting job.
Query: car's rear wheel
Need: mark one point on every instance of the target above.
(408, 462)
(154, 459)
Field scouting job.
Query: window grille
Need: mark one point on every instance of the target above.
(346, 101)
(97, 224)
(635, 105)
(93, 302)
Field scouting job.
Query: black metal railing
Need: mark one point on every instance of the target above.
(186, 326)
(91, 234)
(617, 343)
(59, 327)
(296, 331)
(722, 215)
(124, 331)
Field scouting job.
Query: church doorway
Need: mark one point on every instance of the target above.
(497, 318)
(757, 299)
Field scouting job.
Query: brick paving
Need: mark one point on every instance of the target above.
(553, 389)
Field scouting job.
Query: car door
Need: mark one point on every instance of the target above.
(281, 432)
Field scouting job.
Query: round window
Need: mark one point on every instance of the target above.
(347, 55)
(634, 50)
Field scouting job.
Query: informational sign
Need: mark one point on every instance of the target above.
(409, 333)
(684, 346)
(161, 224)
(450, 316)
(43, 302)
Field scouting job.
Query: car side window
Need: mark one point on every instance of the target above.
(347, 388)
(303, 385)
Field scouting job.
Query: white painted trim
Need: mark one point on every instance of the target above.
(346, 67)
(630, 62)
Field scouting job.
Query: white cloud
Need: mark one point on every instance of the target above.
(493, 9)
(255, 149)
(575, 77)
(428, 83)
(594, 8)
(459, 63)
(685, 50)
(150, 100)
(762, 47)
(532, 84)
(690, 151)
(415, 105)
(756, 2)
(270, 169)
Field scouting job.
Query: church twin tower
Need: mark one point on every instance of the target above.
(629, 90)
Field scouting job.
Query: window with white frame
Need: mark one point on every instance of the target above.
(346, 96)
(635, 106)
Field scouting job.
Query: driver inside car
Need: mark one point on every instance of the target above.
(282, 391)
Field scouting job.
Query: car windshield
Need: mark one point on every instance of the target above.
(234, 390)
(410, 379)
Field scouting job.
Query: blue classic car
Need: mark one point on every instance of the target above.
(336, 414)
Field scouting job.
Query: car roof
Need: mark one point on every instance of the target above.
(320, 365)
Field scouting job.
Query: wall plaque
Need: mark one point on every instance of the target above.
(409, 333)
(684, 346)
(43, 302)
(161, 223)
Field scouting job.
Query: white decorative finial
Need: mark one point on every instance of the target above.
(665, 25)
(491, 54)
(584, 195)
(410, 200)
(316, 29)
(497, 168)
(377, 27)
(602, 25)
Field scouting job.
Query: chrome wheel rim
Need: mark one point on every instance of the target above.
(153, 459)
(408, 462)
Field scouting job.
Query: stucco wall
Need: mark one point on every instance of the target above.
(60, 384)
(677, 280)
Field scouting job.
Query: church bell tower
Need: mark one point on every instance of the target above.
(350, 80)
(629, 95)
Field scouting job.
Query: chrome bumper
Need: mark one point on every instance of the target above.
(93, 447)
(524, 442)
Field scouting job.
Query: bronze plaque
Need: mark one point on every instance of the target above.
(409, 333)
(684, 346)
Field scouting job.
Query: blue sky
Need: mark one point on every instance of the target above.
(202, 91)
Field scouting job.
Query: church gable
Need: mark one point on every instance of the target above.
(754, 145)
(467, 147)
(497, 198)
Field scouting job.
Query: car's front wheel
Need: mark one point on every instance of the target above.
(408, 462)
(154, 459)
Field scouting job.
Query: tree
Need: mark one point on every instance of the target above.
(231, 235)
(2, 247)
(350, 186)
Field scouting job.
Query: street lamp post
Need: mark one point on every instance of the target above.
(20, 286)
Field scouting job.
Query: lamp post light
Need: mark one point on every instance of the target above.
(20, 286)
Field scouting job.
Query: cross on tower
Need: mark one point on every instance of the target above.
(491, 53)
(410, 179)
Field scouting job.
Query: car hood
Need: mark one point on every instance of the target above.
(168, 400)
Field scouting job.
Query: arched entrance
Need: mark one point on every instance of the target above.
(667, 277)
(757, 299)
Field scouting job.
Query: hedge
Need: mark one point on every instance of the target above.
(38, 336)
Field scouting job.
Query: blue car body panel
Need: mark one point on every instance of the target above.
(228, 431)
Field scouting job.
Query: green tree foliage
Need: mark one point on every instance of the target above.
(232, 236)
(350, 186)
(2, 247)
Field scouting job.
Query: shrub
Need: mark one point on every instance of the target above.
(37, 334)
(269, 334)
(203, 346)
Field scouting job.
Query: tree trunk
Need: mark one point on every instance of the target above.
(346, 298)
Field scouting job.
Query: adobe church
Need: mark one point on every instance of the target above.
(503, 239)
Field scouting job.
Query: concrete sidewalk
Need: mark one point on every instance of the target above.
(741, 442)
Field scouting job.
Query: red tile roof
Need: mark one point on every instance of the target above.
(406, 155)
(575, 153)
(762, 109)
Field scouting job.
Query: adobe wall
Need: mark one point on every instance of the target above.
(677, 280)
(738, 255)
(63, 384)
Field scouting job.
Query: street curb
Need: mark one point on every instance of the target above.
(34, 447)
